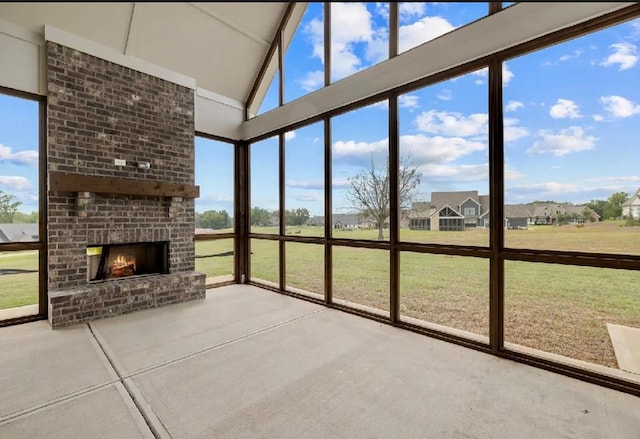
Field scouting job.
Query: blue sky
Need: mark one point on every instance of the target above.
(571, 116)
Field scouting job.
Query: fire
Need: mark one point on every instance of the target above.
(122, 266)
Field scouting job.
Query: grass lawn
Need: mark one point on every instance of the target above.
(18, 279)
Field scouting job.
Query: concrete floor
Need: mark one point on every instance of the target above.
(249, 363)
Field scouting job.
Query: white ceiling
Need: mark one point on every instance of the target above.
(221, 45)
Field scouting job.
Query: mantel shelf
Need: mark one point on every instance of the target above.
(59, 182)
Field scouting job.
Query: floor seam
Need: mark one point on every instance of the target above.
(135, 397)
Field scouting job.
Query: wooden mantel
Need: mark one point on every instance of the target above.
(59, 182)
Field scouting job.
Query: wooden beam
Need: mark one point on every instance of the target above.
(59, 182)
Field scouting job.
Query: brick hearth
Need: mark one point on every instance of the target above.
(98, 111)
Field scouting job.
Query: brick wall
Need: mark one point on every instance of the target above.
(98, 111)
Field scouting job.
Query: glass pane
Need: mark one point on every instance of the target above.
(570, 310)
(215, 259)
(361, 278)
(19, 180)
(304, 162)
(422, 22)
(304, 58)
(444, 168)
(214, 164)
(271, 99)
(572, 180)
(305, 269)
(359, 37)
(265, 262)
(361, 173)
(265, 194)
(18, 282)
(447, 290)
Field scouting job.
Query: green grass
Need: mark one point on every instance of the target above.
(215, 258)
(20, 288)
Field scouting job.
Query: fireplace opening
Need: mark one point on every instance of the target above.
(116, 261)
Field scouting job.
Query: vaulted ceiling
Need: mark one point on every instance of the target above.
(221, 45)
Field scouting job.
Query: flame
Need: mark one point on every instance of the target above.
(121, 262)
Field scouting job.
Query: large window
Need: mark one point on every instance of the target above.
(444, 163)
(571, 146)
(265, 195)
(304, 181)
(421, 21)
(359, 36)
(361, 173)
(304, 57)
(214, 164)
(20, 216)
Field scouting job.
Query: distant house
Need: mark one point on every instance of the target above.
(316, 221)
(346, 221)
(631, 208)
(18, 232)
(456, 211)
(452, 211)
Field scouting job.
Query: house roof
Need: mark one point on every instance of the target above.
(633, 200)
(453, 199)
(19, 232)
(517, 211)
(346, 218)
(221, 45)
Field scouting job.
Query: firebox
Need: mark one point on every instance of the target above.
(115, 261)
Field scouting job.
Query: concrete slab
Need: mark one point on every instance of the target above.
(39, 366)
(626, 345)
(19, 311)
(332, 374)
(104, 413)
(146, 339)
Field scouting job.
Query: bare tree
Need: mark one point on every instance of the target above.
(369, 192)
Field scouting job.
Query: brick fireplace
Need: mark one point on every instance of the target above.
(99, 112)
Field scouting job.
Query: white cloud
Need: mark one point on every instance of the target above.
(310, 197)
(421, 31)
(511, 174)
(312, 81)
(452, 123)
(410, 9)
(513, 106)
(289, 135)
(576, 53)
(15, 183)
(408, 101)
(382, 9)
(598, 117)
(512, 131)
(445, 95)
(625, 55)
(423, 149)
(565, 141)
(565, 108)
(28, 158)
(457, 173)
(305, 184)
(619, 106)
(353, 148)
(507, 75)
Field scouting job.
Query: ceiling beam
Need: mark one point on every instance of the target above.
(232, 24)
(126, 43)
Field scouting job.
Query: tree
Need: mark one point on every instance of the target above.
(613, 207)
(369, 191)
(213, 219)
(8, 207)
(597, 206)
(297, 217)
(259, 217)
